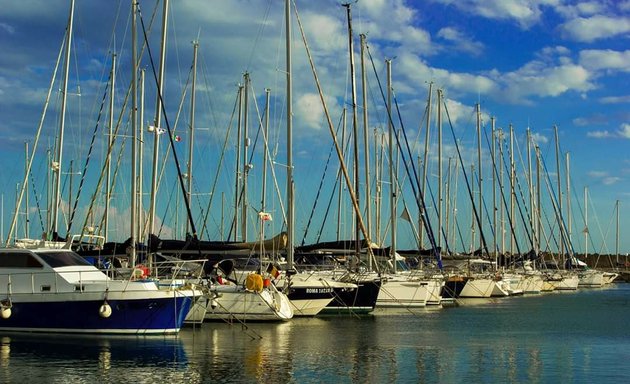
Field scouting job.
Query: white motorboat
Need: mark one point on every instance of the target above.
(44, 289)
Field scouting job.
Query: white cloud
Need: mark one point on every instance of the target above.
(538, 79)
(587, 8)
(524, 12)
(598, 174)
(615, 99)
(597, 59)
(610, 180)
(624, 131)
(594, 28)
(324, 32)
(599, 134)
(460, 41)
(539, 139)
(309, 110)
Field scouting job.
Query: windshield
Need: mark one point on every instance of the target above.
(62, 259)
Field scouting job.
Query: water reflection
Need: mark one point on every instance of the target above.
(68, 358)
(544, 338)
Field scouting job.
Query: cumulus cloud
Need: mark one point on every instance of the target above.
(597, 27)
(538, 79)
(622, 133)
(460, 41)
(605, 59)
(524, 12)
(539, 139)
(599, 134)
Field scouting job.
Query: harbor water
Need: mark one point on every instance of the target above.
(558, 337)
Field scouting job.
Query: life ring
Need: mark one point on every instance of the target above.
(140, 272)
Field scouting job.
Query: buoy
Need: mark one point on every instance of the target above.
(5, 313)
(105, 310)
(5, 308)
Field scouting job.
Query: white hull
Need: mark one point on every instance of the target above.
(569, 282)
(231, 302)
(609, 277)
(400, 292)
(478, 287)
(591, 279)
(531, 283)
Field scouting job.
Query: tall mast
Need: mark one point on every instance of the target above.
(512, 190)
(26, 172)
(368, 209)
(245, 171)
(263, 194)
(110, 140)
(237, 172)
(290, 190)
(531, 189)
(617, 234)
(569, 229)
(480, 174)
(57, 163)
(392, 176)
(559, 189)
(440, 194)
(355, 128)
(157, 120)
(134, 128)
(585, 222)
(494, 188)
(139, 208)
(192, 127)
(425, 164)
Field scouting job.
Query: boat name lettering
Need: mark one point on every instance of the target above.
(319, 290)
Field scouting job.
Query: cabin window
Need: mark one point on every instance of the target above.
(63, 259)
(18, 260)
(45, 288)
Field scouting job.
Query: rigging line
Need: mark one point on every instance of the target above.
(353, 197)
(336, 184)
(172, 136)
(35, 144)
(563, 237)
(87, 160)
(470, 195)
(39, 211)
(319, 189)
(529, 215)
(418, 196)
(259, 33)
(219, 168)
(168, 127)
(114, 178)
(503, 197)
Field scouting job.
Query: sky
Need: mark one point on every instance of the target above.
(542, 65)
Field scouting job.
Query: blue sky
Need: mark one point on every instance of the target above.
(530, 64)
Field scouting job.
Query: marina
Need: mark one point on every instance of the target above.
(579, 336)
(331, 209)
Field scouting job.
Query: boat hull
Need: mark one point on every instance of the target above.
(232, 302)
(81, 313)
(360, 300)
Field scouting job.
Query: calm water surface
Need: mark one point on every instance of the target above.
(573, 337)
